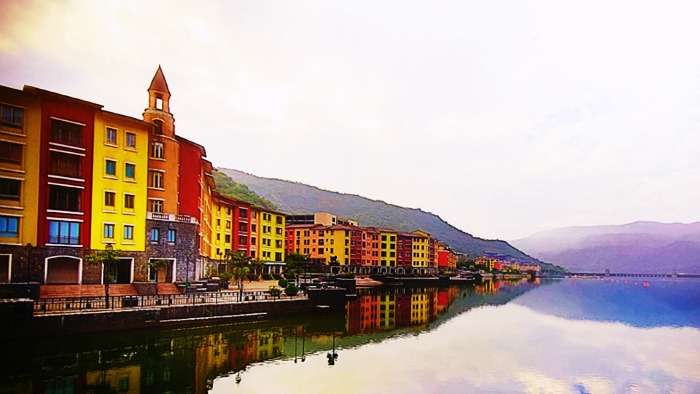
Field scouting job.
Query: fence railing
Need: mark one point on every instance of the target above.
(76, 304)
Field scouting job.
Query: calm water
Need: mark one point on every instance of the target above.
(577, 336)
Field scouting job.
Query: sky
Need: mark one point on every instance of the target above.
(503, 117)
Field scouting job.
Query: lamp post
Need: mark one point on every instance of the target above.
(332, 356)
(109, 249)
(29, 264)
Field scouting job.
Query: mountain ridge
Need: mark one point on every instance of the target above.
(640, 247)
(297, 197)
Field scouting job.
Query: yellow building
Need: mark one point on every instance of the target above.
(419, 308)
(337, 244)
(126, 379)
(119, 182)
(387, 311)
(221, 229)
(420, 249)
(270, 235)
(387, 250)
(20, 131)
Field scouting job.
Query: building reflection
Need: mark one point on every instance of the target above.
(191, 360)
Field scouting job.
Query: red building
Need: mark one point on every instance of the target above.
(191, 171)
(404, 250)
(241, 227)
(370, 247)
(355, 256)
(65, 186)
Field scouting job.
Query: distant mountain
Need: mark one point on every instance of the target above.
(643, 247)
(293, 197)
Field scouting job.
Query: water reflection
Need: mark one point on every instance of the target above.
(189, 361)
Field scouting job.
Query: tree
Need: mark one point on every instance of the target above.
(105, 258)
(240, 266)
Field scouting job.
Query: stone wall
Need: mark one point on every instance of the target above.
(126, 319)
(185, 250)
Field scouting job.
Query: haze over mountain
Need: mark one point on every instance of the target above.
(293, 197)
(644, 247)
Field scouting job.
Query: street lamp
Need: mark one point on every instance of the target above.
(332, 356)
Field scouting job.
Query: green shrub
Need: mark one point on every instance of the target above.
(291, 290)
(275, 291)
(282, 283)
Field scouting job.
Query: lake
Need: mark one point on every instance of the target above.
(580, 336)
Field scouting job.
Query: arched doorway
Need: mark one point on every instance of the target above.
(63, 270)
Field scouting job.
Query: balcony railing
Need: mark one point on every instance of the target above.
(62, 305)
(169, 217)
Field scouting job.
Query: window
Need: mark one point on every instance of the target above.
(12, 116)
(66, 133)
(64, 232)
(159, 126)
(129, 201)
(10, 189)
(156, 178)
(111, 136)
(64, 198)
(110, 167)
(110, 197)
(10, 153)
(128, 232)
(227, 238)
(130, 171)
(9, 227)
(108, 231)
(63, 164)
(156, 206)
(154, 235)
(243, 213)
(172, 235)
(157, 150)
(130, 139)
(159, 103)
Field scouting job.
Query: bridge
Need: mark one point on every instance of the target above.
(631, 275)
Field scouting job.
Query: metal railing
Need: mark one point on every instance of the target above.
(78, 304)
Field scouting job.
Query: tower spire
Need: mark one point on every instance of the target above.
(158, 110)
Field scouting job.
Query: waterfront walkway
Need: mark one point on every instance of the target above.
(89, 302)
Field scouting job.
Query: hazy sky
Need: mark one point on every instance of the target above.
(503, 117)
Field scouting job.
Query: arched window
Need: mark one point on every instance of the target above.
(159, 126)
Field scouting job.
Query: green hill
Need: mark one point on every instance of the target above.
(293, 197)
(229, 188)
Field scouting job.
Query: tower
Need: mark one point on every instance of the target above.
(158, 110)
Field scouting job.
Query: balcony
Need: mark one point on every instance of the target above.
(169, 217)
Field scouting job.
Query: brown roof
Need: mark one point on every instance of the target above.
(128, 118)
(58, 96)
(201, 147)
(158, 82)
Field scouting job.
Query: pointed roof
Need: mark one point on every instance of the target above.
(158, 82)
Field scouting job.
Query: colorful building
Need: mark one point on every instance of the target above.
(270, 235)
(20, 130)
(420, 246)
(119, 182)
(387, 252)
